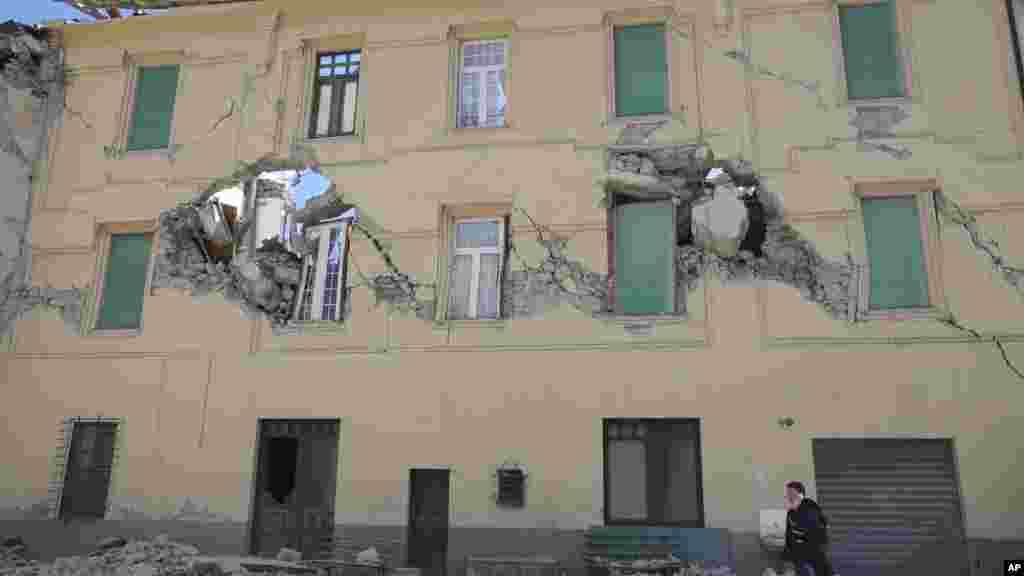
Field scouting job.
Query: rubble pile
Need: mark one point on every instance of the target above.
(160, 556)
(266, 280)
(26, 60)
(728, 221)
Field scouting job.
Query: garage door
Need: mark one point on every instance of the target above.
(893, 505)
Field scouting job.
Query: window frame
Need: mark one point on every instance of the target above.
(482, 106)
(304, 79)
(930, 229)
(614, 236)
(323, 234)
(132, 65)
(666, 16)
(447, 215)
(476, 253)
(318, 82)
(104, 233)
(698, 458)
(903, 42)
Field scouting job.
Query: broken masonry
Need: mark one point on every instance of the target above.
(727, 220)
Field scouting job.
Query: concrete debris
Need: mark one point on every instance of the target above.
(27, 62)
(157, 557)
(720, 222)
(289, 555)
(369, 556)
(264, 281)
(738, 229)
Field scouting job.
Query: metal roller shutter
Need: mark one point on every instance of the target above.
(893, 506)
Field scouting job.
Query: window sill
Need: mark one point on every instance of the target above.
(494, 323)
(344, 139)
(617, 121)
(461, 130)
(890, 101)
(904, 314)
(143, 152)
(658, 319)
(314, 328)
(111, 333)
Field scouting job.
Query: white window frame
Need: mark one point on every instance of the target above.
(322, 233)
(482, 93)
(475, 253)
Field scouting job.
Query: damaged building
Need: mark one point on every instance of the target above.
(532, 287)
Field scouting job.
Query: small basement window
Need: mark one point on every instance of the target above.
(511, 488)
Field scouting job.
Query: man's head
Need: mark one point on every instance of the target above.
(794, 494)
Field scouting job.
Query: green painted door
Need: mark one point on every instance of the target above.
(645, 258)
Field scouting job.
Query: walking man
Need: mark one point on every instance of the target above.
(806, 533)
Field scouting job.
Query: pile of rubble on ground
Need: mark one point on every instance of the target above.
(659, 566)
(115, 556)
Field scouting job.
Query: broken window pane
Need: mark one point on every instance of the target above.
(627, 480)
(476, 234)
(487, 299)
(306, 305)
(282, 457)
(462, 277)
(330, 294)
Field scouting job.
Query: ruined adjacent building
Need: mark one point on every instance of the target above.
(534, 280)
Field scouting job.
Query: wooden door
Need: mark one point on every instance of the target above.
(428, 520)
(295, 488)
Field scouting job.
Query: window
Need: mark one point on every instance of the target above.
(641, 70)
(897, 267)
(124, 281)
(335, 92)
(652, 472)
(644, 237)
(475, 288)
(88, 470)
(482, 99)
(872, 61)
(153, 103)
(324, 272)
(511, 488)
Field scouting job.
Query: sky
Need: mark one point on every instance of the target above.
(37, 11)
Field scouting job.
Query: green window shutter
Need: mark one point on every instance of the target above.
(641, 70)
(898, 275)
(155, 90)
(125, 284)
(874, 67)
(645, 258)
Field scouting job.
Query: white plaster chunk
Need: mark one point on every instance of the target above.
(719, 223)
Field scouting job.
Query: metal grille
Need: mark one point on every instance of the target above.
(893, 506)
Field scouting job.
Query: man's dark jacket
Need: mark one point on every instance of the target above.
(807, 536)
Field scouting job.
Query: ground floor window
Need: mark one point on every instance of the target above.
(652, 472)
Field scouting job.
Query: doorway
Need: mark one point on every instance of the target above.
(427, 537)
(293, 494)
